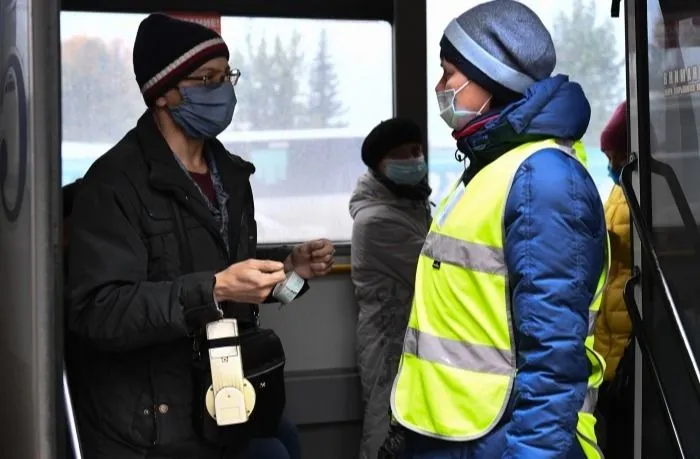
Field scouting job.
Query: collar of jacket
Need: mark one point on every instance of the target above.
(166, 175)
(164, 172)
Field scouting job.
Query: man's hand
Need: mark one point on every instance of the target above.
(249, 281)
(311, 259)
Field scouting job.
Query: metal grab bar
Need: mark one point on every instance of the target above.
(643, 341)
(648, 246)
(691, 226)
(70, 415)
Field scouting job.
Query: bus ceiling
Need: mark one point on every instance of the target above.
(382, 10)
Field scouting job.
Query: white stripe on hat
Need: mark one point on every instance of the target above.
(492, 67)
(179, 61)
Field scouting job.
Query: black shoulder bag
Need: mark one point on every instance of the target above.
(263, 366)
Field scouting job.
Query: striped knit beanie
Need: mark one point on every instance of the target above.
(502, 46)
(166, 50)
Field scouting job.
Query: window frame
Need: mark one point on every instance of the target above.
(382, 10)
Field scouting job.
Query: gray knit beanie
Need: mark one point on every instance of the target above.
(502, 46)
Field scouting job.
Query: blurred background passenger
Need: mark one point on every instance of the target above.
(391, 214)
(613, 325)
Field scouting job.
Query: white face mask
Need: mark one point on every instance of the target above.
(456, 119)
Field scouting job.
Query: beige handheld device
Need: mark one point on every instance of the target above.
(231, 397)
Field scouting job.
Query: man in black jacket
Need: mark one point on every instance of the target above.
(164, 241)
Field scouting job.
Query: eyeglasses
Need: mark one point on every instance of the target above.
(229, 74)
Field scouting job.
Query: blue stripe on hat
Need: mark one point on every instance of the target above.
(492, 67)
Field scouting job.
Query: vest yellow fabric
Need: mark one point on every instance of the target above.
(458, 363)
(581, 154)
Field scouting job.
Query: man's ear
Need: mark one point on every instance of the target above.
(170, 98)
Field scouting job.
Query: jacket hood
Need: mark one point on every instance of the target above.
(554, 107)
(371, 192)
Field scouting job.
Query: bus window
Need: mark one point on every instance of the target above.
(304, 107)
(271, 164)
(574, 25)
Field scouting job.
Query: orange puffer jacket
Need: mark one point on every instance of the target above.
(613, 326)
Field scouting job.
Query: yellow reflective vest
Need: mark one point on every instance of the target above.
(458, 364)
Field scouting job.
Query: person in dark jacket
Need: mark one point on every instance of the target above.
(164, 241)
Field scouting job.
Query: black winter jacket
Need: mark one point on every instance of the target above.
(129, 355)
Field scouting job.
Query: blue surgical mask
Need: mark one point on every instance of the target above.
(614, 174)
(205, 111)
(406, 171)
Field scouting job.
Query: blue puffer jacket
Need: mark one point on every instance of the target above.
(554, 248)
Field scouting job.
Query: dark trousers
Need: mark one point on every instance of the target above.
(285, 445)
(615, 426)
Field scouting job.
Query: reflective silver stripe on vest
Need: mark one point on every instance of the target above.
(591, 443)
(592, 316)
(458, 354)
(566, 146)
(468, 255)
(590, 401)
